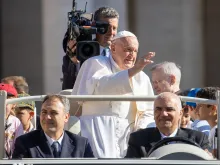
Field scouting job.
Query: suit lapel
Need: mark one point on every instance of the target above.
(151, 139)
(181, 133)
(156, 137)
(67, 147)
(44, 147)
(184, 133)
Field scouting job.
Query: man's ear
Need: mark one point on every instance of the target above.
(31, 114)
(172, 79)
(67, 116)
(113, 47)
(181, 112)
(214, 109)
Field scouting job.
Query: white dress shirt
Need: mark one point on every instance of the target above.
(50, 140)
(107, 51)
(171, 135)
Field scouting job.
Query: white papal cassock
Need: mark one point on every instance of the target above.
(107, 124)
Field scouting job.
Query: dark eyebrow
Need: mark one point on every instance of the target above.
(159, 108)
(166, 108)
(170, 108)
(54, 111)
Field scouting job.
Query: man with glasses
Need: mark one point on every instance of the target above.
(166, 77)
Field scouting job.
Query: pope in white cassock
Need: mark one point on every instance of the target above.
(108, 124)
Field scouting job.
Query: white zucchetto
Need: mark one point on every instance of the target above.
(122, 34)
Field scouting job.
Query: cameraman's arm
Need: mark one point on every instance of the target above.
(71, 48)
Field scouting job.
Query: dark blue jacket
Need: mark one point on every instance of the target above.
(35, 145)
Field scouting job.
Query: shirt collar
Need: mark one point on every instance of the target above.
(101, 49)
(172, 135)
(107, 51)
(50, 140)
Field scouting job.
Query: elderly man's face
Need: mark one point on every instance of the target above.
(167, 115)
(160, 82)
(124, 52)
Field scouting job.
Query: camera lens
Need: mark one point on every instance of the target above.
(87, 50)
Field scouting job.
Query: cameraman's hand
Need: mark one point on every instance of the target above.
(72, 47)
(141, 63)
(74, 60)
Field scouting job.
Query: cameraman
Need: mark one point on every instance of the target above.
(71, 65)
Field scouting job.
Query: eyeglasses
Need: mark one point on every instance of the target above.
(157, 82)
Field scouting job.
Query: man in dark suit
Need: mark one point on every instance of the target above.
(52, 141)
(167, 115)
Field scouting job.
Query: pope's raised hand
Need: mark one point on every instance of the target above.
(141, 63)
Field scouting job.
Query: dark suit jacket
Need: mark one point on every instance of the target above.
(69, 70)
(142, 141)
(35, 145)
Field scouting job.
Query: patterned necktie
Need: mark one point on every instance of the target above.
(55, 146)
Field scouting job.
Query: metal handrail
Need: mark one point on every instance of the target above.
(4, 101)
(109, 97)
(106, 161)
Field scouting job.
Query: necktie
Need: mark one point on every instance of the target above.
(55, 146)
(105, 51)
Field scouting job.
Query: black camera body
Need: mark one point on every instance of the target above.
(81, 28)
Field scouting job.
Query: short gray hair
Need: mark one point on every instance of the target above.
(169, 68)
(64, 100)
(105, 12)
(173, 96)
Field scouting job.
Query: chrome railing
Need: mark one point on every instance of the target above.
(4, 101)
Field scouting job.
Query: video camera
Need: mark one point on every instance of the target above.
(81, 28)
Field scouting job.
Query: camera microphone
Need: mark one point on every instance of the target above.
(74, 5)
(74, 32)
